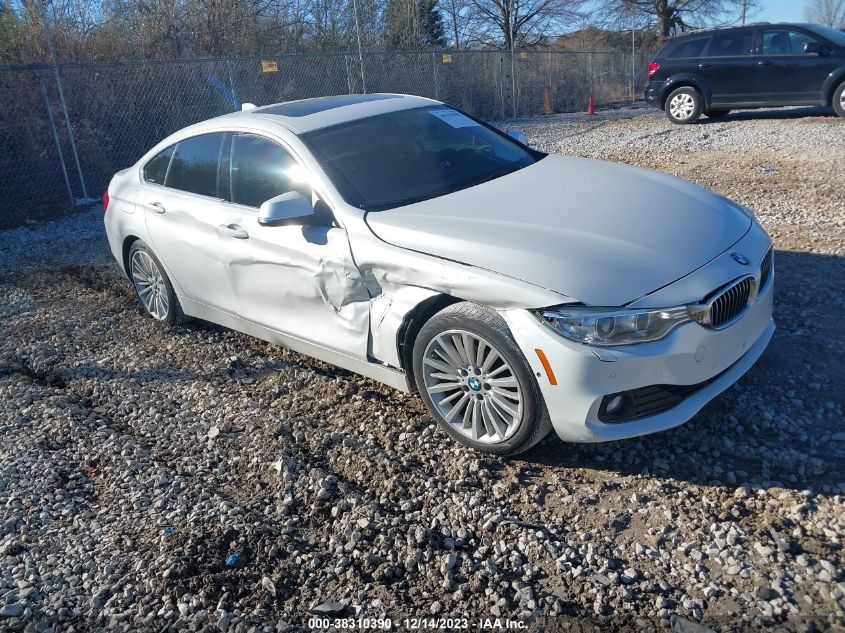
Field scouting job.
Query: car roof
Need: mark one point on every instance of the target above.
(306, 115)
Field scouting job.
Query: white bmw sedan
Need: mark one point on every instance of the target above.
(406, 241)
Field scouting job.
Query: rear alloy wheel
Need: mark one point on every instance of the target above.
(152, 286)
(839, 100)
(716, 114)
(476, 383)
(684, 105)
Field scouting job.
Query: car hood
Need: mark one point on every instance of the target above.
(599, 232)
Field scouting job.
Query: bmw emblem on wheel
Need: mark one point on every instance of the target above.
(739, 258)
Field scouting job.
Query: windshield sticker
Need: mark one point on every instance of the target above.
(454, 118)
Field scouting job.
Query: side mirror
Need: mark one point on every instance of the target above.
(518, 136)
(816, 48)
(288, 206)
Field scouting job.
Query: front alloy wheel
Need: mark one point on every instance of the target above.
(472, 386)
(476, 383)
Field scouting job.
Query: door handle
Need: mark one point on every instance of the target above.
(156, 207)
(705, 65)
(233, 230)
(765, 62)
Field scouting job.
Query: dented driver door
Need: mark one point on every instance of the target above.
(298, 279)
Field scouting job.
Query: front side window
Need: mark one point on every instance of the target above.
(785, 42)
(731, 44)
(156, 169)
(261, 169)
(194, 165)
(689, 48)
(398, 158)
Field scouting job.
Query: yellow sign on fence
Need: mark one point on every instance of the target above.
(523, 55)
(447, 58)
(269, 66)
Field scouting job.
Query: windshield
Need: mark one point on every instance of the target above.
(831, 34)
(399, 158)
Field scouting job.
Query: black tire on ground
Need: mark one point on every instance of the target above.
(839, 100)
(485, 324)
(716, 114)
(684, 105)
(172, 314)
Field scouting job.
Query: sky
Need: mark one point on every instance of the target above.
(780, 11)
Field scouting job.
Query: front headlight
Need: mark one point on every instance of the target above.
(612, 326)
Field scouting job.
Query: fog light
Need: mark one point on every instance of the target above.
(615, 405)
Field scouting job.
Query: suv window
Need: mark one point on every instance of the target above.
(731, 44)
(156, 168)
(261, 169)
(784, 42)
(689, 48)
(194, 165)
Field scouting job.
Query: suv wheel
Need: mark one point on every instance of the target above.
(839, 100)
(716, 114)
(684, 105)
(476, 383)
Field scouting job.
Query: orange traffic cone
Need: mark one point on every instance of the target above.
(591, 107)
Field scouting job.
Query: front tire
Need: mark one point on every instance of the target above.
(684, 105)
(839, 100)
(153, 288)
(476, 383)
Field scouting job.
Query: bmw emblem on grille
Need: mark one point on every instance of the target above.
(739, 258)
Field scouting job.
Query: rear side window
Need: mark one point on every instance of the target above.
(784, 42)
(262, 169)
(194, 165)
(156, 169)
(731, 44)
(689, 48)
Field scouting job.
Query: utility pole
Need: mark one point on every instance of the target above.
(742, 14)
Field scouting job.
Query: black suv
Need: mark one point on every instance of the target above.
(714, 71)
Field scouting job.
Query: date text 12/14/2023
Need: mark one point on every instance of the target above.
(415, 624)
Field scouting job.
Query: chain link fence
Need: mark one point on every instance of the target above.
(66, 130)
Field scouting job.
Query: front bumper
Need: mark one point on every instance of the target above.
(690, 355)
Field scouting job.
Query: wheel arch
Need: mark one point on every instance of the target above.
(833, 82)
(684, 81)
(128, 241)
(411, 325)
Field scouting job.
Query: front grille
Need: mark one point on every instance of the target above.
(766, 268)
(731, 303)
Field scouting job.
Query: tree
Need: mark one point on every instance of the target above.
(458, 18)
(517, 23)
(828, 12)
(671, 16)
(413, 24)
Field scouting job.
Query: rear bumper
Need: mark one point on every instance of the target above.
(652, 94)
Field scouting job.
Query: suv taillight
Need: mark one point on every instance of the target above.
(653, 67)
(105, 201)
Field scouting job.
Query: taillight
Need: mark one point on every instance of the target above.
(653, 67)
(105, 201)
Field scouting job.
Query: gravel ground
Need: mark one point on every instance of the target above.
(155, 479)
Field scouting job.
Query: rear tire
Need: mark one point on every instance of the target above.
(839, 100)
(716, 114)
(476, 383)
(684, 105)
(153, 288)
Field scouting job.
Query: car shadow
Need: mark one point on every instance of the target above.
(773, 113)
(780, 425)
